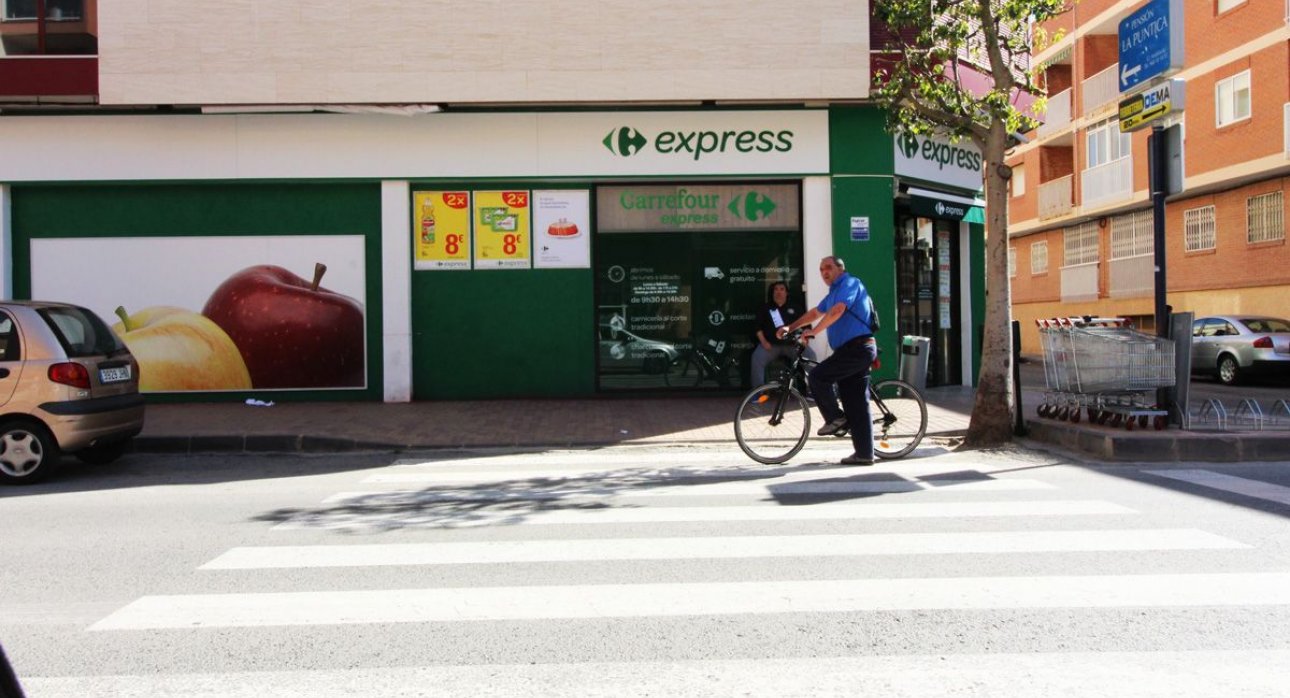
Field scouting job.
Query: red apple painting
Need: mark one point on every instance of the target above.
(292, 333)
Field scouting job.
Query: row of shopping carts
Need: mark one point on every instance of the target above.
(1104, 368)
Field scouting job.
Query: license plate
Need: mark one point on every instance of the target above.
(114, 375)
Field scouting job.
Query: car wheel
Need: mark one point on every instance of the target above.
(104, 454)
(1228, 370)
(28, 452)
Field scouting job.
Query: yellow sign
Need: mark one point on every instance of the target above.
(1143, 108)
(502, 230)
(441, 229)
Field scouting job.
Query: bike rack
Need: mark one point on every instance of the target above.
(1249, 412)
(1214, 408)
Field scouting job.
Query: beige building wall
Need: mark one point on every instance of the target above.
(481, 51)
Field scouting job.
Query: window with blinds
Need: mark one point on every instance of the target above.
(1039, 258)
(1264, 220)
(1199, 229)
(1131, 235)
(1080, 244)
(1012, 261)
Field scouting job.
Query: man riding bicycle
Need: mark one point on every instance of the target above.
(845, 313)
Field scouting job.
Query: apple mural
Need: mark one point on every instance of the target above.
(291, 332)
(178, 349)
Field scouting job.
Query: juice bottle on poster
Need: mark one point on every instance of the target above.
(427, 222)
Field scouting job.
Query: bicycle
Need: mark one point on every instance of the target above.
(704, 361)
(774, 420)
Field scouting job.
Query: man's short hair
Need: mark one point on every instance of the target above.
(837, 261)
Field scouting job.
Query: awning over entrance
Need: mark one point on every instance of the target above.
(937, 204)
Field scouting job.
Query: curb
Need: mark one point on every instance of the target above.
(305, 443)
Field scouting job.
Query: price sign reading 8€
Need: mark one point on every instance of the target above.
(441, 229)
(502, 230)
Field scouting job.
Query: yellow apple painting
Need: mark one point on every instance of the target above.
(180, 350)
(222, 313)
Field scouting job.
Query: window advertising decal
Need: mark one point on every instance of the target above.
(677, 306)
(502, 230)
(221, 313)
(441, 229)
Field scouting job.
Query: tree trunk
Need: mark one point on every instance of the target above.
(992, 412)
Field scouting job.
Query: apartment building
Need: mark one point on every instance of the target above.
(1080, 237)
(527, 198)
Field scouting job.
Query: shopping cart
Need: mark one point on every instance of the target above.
(1106, 369)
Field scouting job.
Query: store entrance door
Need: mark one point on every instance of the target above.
(927, 291)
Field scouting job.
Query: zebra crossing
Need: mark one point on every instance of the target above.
(834, 542)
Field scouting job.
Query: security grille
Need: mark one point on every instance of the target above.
(1131, 235)
(1200, 231)
(1080, 243)
(1012, 261)
(1264, 220)
(1039, 258)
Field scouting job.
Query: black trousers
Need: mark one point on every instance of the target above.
(848, 368)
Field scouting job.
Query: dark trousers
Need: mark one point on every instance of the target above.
(848, 367)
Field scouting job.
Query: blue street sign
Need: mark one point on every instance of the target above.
(1151, 42)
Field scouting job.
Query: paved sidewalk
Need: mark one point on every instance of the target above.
(344, 426)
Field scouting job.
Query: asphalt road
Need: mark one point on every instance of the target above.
(648, 571)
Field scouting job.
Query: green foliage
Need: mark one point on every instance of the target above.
(922, 91)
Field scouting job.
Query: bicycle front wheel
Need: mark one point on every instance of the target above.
(772, 423)
(899, 418)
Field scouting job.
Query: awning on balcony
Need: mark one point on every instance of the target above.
(939, 204)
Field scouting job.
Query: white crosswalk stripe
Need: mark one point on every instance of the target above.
(1228, 483)
(573, 512)
(513, 552)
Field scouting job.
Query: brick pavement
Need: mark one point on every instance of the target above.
(340, 426)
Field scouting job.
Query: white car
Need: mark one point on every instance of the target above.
(624, 352)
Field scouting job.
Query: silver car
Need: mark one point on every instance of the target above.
(1233, 347)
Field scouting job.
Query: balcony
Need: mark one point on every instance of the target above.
(1106, 184)
(1058, 115)
(1056, 197)
(1079, 282)
(1101, 89)
(49, 78)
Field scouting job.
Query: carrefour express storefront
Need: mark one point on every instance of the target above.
(445, 256)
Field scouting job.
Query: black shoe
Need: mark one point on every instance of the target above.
(855, 459)
(832, 427)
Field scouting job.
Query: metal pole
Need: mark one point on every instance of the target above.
(1019, 423)
(1159, 189)
(1159, 177)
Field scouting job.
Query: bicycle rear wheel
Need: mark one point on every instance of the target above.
(765, 437)
(899, 418)
(684, 372)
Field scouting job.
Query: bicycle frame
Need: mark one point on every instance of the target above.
(799, 369)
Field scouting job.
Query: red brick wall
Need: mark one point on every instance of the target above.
(1056, 161)
(1209, 147)
(1029, 287)
(1234, 262)
(1026, 207)
(1208, 35)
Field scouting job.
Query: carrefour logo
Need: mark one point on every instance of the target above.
(626, 141)
(942, 154)
(908, 145)
(945, 210)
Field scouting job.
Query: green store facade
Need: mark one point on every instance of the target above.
(497, 255)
